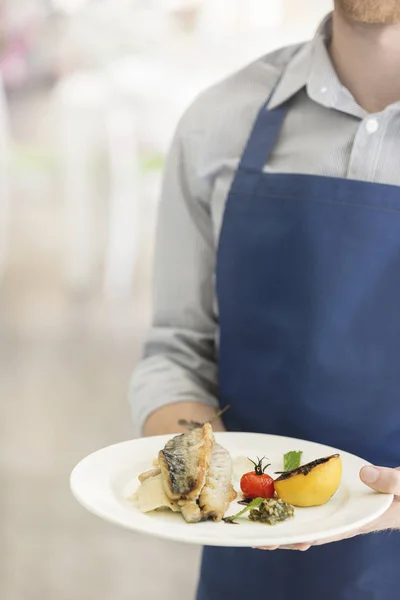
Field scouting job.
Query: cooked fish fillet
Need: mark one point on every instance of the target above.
(218, 492)
(190, 510)
(151, 496)
(184, 463)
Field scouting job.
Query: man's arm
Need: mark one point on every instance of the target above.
(177, 376)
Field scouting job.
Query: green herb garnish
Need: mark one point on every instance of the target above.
(272, 511)
(292, 460)
(256, 503)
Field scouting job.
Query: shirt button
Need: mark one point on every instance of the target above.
(372, 125)
(324, 90)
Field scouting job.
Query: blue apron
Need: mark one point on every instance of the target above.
(308, 286)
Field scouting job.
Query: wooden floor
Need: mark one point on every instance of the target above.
(64, 370)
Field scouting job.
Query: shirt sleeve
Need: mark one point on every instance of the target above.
(179, 359)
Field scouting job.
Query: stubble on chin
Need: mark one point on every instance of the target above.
(372, 12)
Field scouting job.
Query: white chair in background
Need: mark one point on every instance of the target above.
(4, 180)
(81, 105)
(95, 119)
(124, 211)
(133, 102)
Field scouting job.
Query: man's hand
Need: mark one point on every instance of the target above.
(165, 420)
(380, 479)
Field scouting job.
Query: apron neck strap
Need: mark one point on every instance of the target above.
(265, 132)
(263, 137)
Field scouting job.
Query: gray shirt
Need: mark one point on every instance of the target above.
(325, 133)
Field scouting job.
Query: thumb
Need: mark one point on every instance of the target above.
(386, 481)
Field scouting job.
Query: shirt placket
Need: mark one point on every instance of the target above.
(366, 148)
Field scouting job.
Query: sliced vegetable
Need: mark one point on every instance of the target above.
(272, 511)
(292, 460)
(257, 484)
(253, 504)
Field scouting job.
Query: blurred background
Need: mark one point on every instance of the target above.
(91, 91)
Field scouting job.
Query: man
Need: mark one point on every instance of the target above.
(277, 284)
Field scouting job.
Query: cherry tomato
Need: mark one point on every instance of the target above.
(257, 484)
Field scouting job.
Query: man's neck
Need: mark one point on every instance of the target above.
(367, 61)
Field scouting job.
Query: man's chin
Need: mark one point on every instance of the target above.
(370, 12)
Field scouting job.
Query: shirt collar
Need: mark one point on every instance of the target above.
(294, 77)
(311, 68)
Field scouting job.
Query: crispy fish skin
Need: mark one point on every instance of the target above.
(218, 492)
(184, 463)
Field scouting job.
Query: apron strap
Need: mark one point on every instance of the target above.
(265, 132)
(263, 137)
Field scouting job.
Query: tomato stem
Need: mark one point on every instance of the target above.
(258, 466)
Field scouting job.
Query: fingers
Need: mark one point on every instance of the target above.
(386, 481)
(300, 547)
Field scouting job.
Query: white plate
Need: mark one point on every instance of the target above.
(104, 481)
